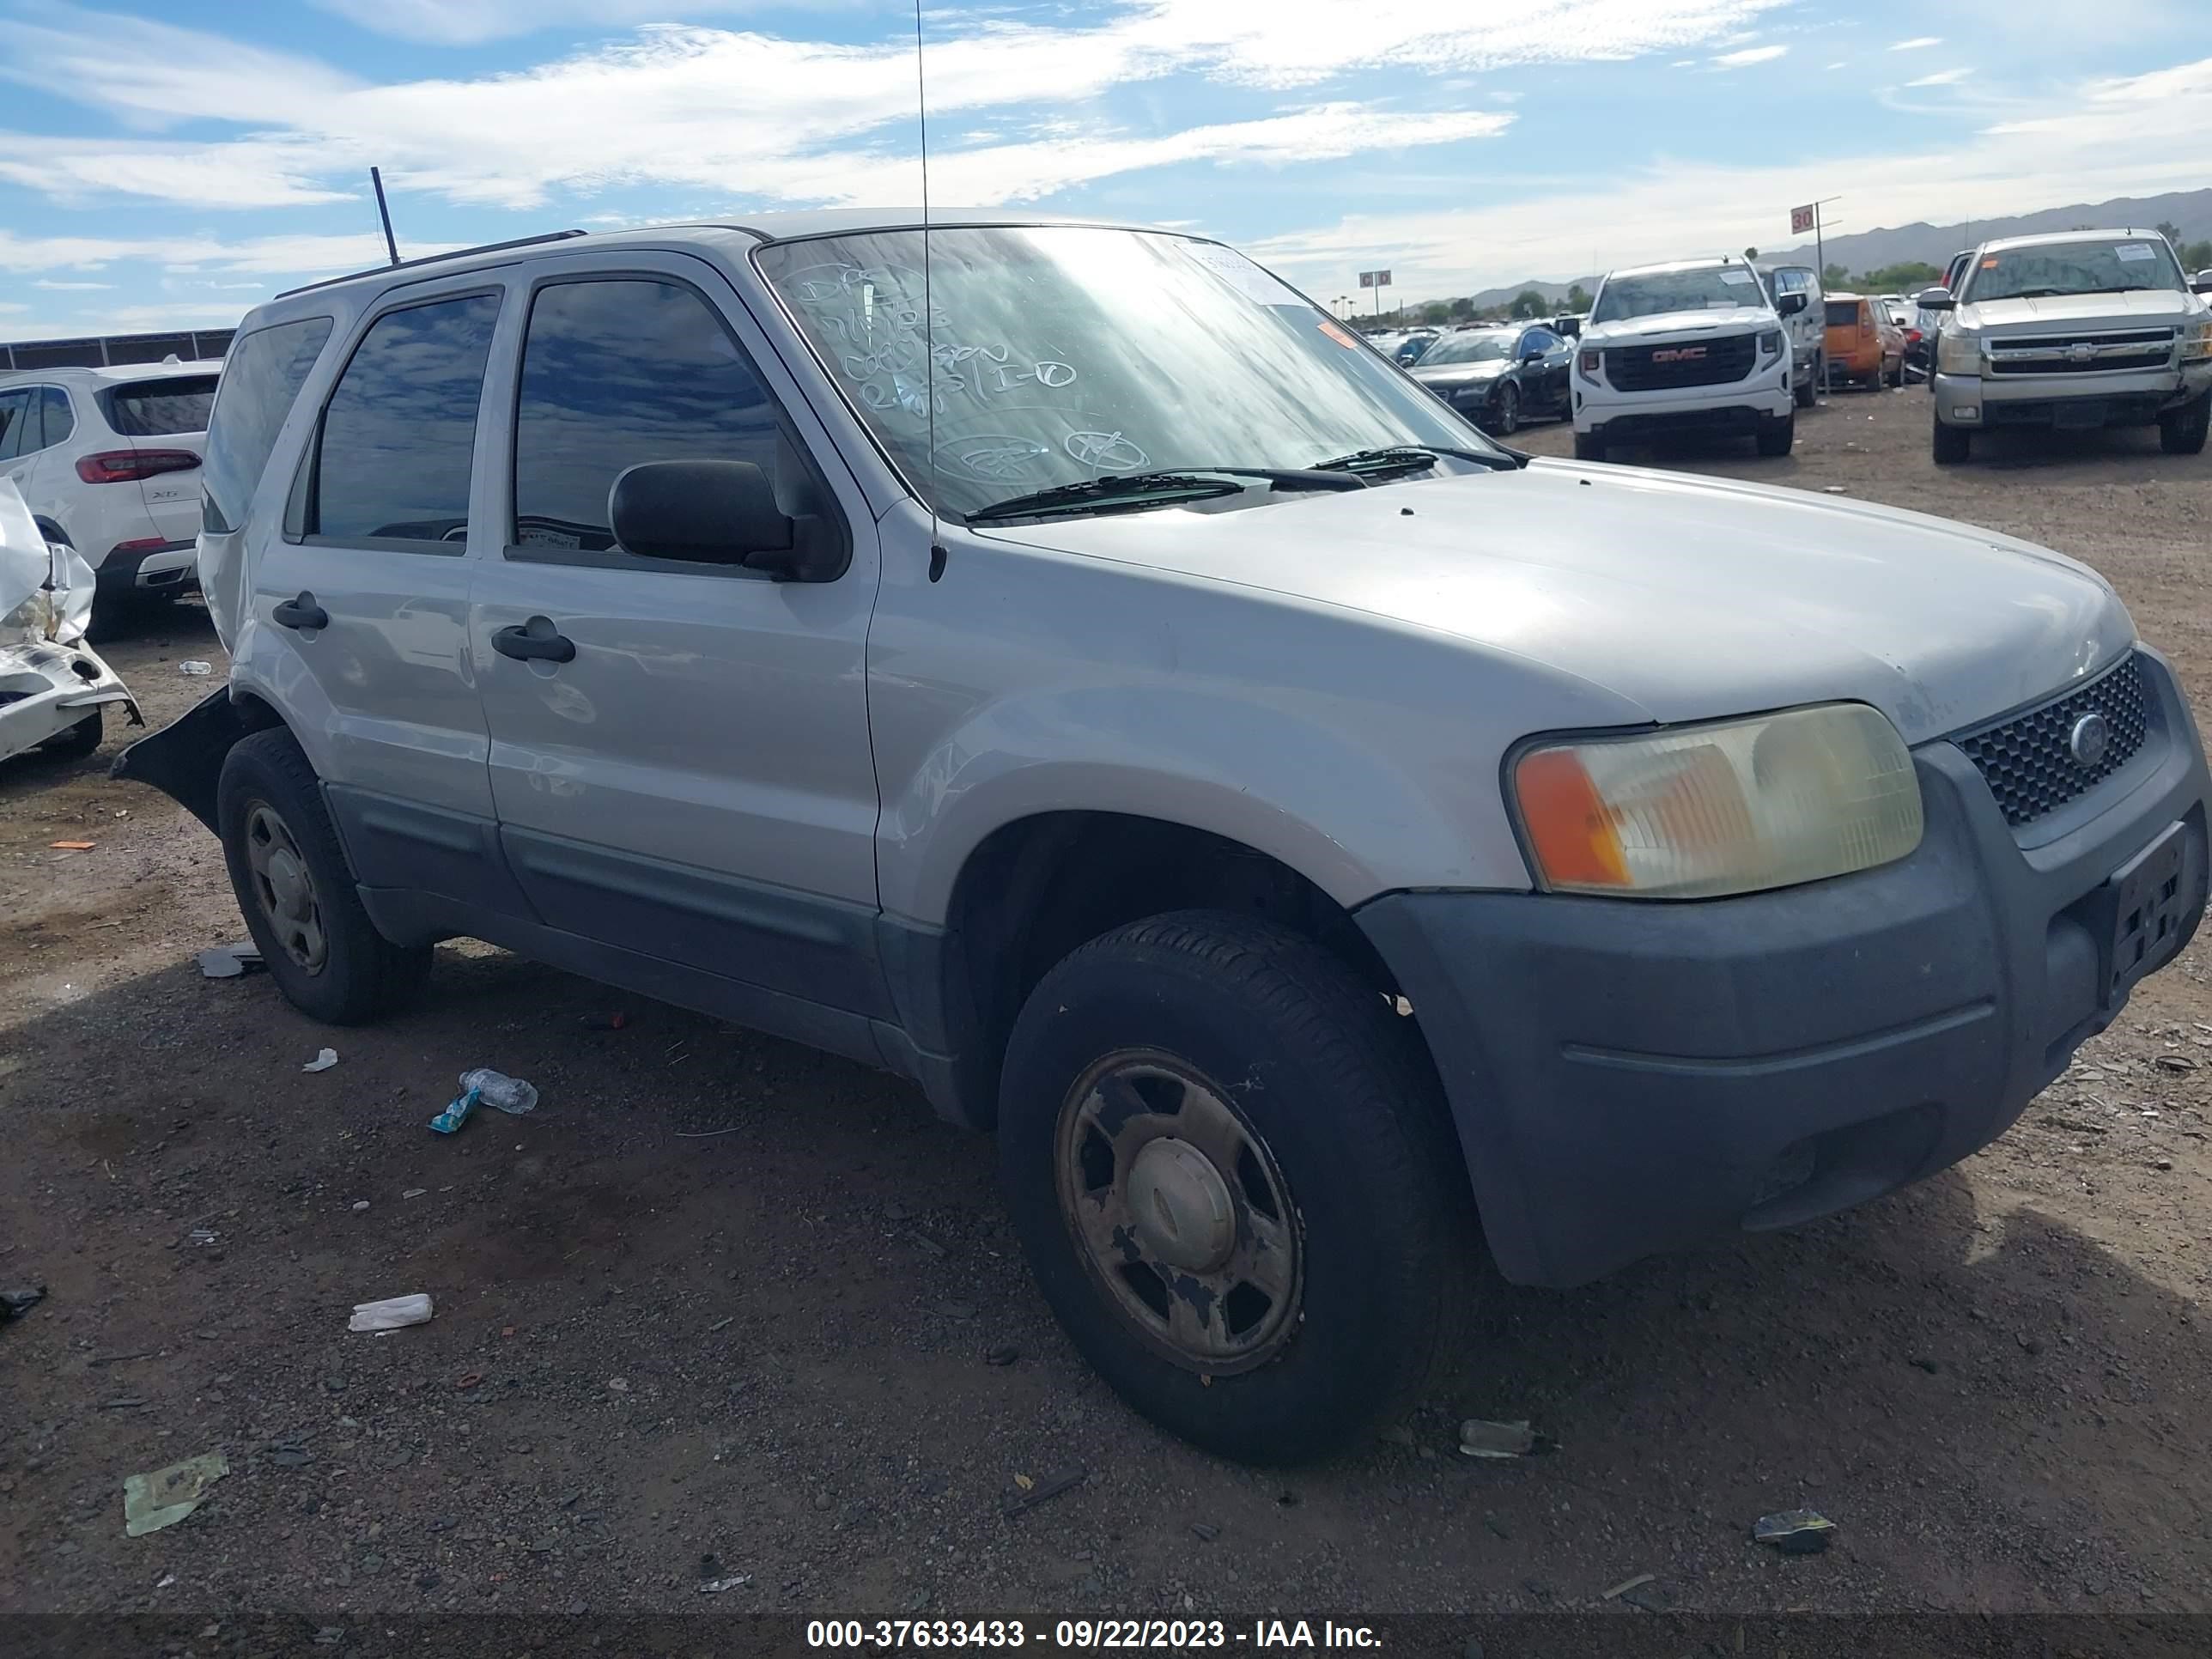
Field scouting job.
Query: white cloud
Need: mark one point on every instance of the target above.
(1750, 55)
(763, 116)
(70, 287)
(1949, 77)
(272, 256)
(1839, 63)
(471, 22)
(2089, 148)
(1919, 42)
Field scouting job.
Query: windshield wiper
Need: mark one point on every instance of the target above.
(1416, 457)
(1160, 489)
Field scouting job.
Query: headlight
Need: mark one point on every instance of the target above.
(1712, 809)
(1770, 342)
(1590, 362)
(1957, 353)
(2197, 343)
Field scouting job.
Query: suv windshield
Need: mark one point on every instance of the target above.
(1656, 292)
(1064, 354)
(2049, 268)
(1469, 348)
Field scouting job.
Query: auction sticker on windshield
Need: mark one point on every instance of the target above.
(2134, 253)
(1241, 274)
(1736, 278)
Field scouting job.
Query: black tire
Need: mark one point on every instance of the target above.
(1952, 443)
(2182, 431)
(1805, 394)
(1897, 376)
(1821, 374)
(1330, 1091)
(1589, 447)
(79, 741)
(1505, 417)
(1777, 437)
(359, 974)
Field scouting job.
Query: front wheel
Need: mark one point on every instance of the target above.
(80, 740)
(296, 890)
(1589, 447)
(1805, 392)
(1952, 443)
(1232, 1175)
(1505, 418)
(1776, 434)
(2182, 431)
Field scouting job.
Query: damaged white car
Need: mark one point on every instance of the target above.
(53, 686)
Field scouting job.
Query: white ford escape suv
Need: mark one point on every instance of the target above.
(1319, 841)
(111, 457)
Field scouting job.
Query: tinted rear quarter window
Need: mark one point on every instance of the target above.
(616, 372)
(399, 431)
(60, 418)
(159, 409)
(1842, 313)
(261, 379)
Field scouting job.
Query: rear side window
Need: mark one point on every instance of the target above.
(60, 420)
(160, 409)
(261, 378)
(399, 431)
(1842, 313)
(19, 420)
(618, 372)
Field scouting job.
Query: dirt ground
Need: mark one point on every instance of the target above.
(723, 1306)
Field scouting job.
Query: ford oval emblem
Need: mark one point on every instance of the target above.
(2090, 739)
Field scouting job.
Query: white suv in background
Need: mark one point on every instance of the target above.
(111, 457)
(1690, 347)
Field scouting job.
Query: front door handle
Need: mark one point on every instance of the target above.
(302, 612)
(535, 640)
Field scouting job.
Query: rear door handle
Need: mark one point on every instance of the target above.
(302, 612)
(535, 640)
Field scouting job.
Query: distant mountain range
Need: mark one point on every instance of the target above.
(1872, 250)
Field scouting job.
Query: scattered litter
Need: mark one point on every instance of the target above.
(229, 961)
(190, 667)
(151, 1502)
(120, 1358)
(15, 1303)
(359, 1205)
(127, 1403)
(501, 1092)
(1034, 1492)
(1479, 1437)
(618, 1384)
(1005, 1354)
(2176, 1063)
(1628, 1585)
(323, 1061)
(70, 846)
(1204, 1531)
(290, 1456)
(722, 1324)
(391, 1314)
(202, 1236)
(716, 1586)
(930, 1245)
(456, 1114)
(1834, 489)
(468, 1379)
(1794, 1532)
(415, 1192)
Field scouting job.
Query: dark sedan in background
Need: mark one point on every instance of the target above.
(1499, 377)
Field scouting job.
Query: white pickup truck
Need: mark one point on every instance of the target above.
(1686, 347)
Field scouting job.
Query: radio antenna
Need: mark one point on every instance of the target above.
(928, 310)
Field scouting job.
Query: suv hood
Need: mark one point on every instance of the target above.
(1679, 325)
(1690, 598)
(2128, 308)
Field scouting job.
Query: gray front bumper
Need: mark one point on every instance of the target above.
(1981, 401)
(1631, 1076)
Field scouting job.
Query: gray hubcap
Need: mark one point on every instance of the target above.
(1180, 1212)
(285, 887)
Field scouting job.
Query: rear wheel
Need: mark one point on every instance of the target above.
(1589, 447)
(296, 891)
(1776, 434)
(1952, 443)
(2182, 431)
(80, 740)
(1805, 392)
(1231, 1173)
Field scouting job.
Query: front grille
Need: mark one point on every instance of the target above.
(2081, 354)
(1689, 362)
(2028, 761)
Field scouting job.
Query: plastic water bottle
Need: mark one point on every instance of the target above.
(501, 1092)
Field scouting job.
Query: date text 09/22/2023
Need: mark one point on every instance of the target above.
(1287, 1635)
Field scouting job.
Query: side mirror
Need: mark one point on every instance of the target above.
(1533, 354)
(1790, 305)
(2201, 282)
(1934, 299)
(717, 512)
(1570, 326)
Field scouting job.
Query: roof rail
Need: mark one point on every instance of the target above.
(435, 258)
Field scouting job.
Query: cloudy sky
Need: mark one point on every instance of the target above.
(168, 164)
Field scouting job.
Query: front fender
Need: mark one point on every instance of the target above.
(184, 759)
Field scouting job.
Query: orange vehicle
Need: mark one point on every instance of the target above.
(1863, 344)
